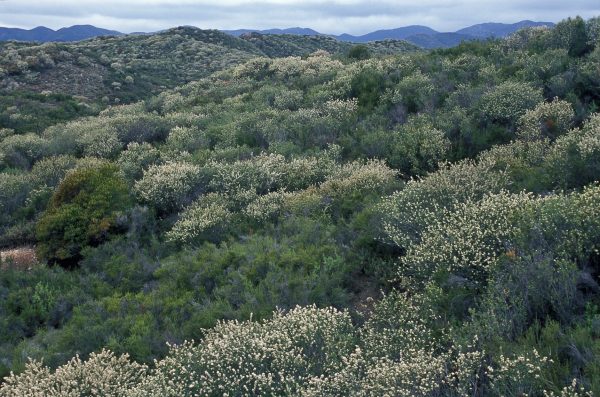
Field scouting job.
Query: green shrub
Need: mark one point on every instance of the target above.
(359, 52)
(82, 211)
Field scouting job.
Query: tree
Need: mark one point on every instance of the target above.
(571, 34)
(83, 211)
(359, 52)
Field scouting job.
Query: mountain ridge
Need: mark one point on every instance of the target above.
(66, 34)
(420, 35)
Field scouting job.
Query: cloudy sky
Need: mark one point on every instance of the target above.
(327, 16)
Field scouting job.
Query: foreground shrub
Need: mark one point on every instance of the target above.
(274, 357)
(102, 374)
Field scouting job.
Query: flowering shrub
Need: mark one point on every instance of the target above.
(508, 101)
(206, 217)
(274, 357)
(574, 159)
(422, 202)
(468, 240)
(419, 147)
(547, 120)
(137, 158)
(102, 374)
(416, 92)
(22, 150)
(169, 186)
(186, 139)
(51, 170)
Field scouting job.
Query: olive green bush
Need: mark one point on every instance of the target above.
(82, 211)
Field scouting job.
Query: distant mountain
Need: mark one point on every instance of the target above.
(44, 34)
(486, 30)
(421, 36)
(439, 40)
(387, 34)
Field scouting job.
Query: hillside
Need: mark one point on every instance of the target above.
(284, 45)
(423, 224)
(60, 81)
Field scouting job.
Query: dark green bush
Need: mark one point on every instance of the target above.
(82, 211)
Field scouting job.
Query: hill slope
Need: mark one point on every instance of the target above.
(59, 81)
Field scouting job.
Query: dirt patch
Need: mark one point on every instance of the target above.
(23, 258)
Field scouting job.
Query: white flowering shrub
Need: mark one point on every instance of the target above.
(207, 217)
(318, 67)
(261, 174)
(22, 150)
(137, 158)
(102, 374)
(508, 101)
(269, 172)
(288, 99)
(306, 352)
(87, 136)
(547, 120)
(418, 374)
(186, 139)
(521, 375)
(419, 146)
(468, 240)
(244, 192)
(51, 170)
(103, 142)
(572, 390)
(416, 92)
(169, 186)
(574, 159)
(274, 357)
(357, 178)
(267, 206)
(423, 201)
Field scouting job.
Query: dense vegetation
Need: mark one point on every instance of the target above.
(425, 224)
(41, 84)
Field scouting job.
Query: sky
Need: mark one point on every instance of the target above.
(325, 16)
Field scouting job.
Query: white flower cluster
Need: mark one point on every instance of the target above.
(468, 240)
(168, 186)
(422, 201)
(205, 215)
(102, 374)
(22, 150)
(274, 357)
(509, 101)
(546, 120)
(585, 142)
(521, 375)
